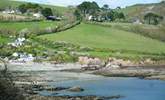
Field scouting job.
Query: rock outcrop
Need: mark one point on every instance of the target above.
(117, 63)
(76, 89)
(90, 63)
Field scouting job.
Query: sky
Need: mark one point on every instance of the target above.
(111, 3)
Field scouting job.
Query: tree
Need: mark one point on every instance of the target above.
(84, 7)
(121, 15)
(77, 14)
(29, 6)
(118, 8)
(112, 15)
(94, 8)
(105, 10)
(88, 8)
(105, 7)
(22, 8)
(47, 12)
(151, 18)
(104, 13)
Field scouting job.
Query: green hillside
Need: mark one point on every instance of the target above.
(9, 3)
(140, 10)
(104, 37)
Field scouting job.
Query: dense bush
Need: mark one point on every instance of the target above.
(98, 23)
(62, 27)
(8, 91)
(61, 58)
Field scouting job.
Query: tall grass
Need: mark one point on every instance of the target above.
(154, 32)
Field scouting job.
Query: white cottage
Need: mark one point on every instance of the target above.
(18, 42)
(23, 57)
(37, 15)
(90, 17)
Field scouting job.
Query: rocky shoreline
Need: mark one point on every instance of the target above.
(113, 67)
(32, 77)
(147, 69)
(144, 72)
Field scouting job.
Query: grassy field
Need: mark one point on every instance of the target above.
(151, 31)
(100, 37)
(17, 26)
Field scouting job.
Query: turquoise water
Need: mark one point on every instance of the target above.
(130, 88)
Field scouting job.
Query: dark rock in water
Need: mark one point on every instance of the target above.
(54, 94)
(76, 89)
(113, 97)
(31, 92)
(55, 88)
(37, 87)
